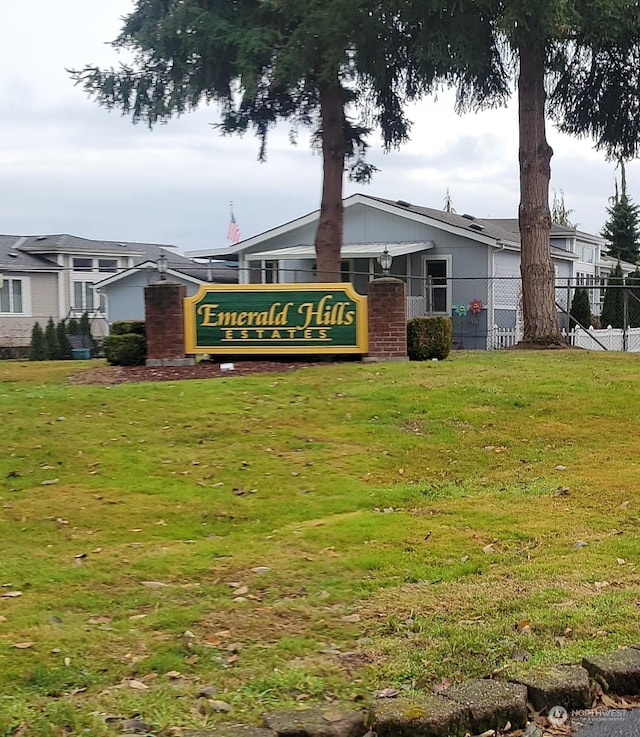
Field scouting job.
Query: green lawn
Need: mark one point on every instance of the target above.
(302, 537)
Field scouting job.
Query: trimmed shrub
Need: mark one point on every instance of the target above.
(65, 347)
(51, 338)
(428, 337)
(581, 308)
(633, 282)
(128, 349)
(38, 348)
(73, 328)
(122, 327)
(613, 304)
(84, 324)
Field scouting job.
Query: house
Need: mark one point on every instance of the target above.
(451, 263)
(57, 276)
(123, 293)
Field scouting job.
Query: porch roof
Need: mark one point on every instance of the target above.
(348, 250)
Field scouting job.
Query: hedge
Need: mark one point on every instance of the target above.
(428, 337)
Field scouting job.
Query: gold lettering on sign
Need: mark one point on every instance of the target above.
(277, 314)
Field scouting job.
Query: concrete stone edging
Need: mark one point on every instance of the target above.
(472, 707)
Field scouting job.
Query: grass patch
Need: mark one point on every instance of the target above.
(298, 537)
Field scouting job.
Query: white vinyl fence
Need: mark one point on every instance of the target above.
(613, 339)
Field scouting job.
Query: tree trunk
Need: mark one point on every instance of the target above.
(329, 233)
(538, 276)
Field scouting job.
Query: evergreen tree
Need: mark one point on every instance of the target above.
(613, 305)
(65, 348)
(580, 309)
(559, 212)
(51, 338)
(38, 347)
(84, 324)
(622, 229)
(73, 328)
(312, 63)
(563, 54)
(633, 283)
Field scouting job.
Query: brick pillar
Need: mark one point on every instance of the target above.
(164, 319)
(387, 308)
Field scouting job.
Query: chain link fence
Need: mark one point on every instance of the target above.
(486, 313)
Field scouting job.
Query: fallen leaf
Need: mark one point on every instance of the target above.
(621, 561)
(2, 619)
(213, 705)
(524, 627)
(99, 620)
(351, 618)
(154, 584)
(488, 549)
(521, 656)
(333, 716)
(206, 691)
(561, 468)
(22, 645)
(11, 594)
(580, 544)
(48, 482)
(387, 693)
(260, 569)
(442, 686)
(138, 685)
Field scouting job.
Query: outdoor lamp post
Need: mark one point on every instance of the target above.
(162, 265)
(385, 259)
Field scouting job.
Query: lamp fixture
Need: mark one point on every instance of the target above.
(385, 259)
(162, 265)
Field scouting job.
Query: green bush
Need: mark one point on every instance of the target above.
(128, 349)
(38, 347)
(580, 308)
(65, 347)
(51, 338)
(122, 327)
(428, 337)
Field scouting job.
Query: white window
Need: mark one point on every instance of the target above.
(85, 297)
(12, 297)
(437, 286)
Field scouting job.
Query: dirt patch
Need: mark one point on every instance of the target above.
(203, 370)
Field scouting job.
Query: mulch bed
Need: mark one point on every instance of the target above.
(202, 370)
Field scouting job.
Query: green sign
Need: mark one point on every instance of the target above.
(276, 318)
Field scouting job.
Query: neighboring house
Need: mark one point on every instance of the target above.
(447, 260)
(124, 292)
(56, 276)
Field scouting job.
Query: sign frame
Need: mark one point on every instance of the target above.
(359, 347)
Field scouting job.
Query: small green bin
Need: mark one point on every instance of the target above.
(80, 354)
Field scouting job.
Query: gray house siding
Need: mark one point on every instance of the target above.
(125, 298)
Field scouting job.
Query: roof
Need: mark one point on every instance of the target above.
(483, 231)
(29, 253)
(348, 250)
(12, 258)
(178, 266)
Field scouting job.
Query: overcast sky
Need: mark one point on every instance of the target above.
(69, 166)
